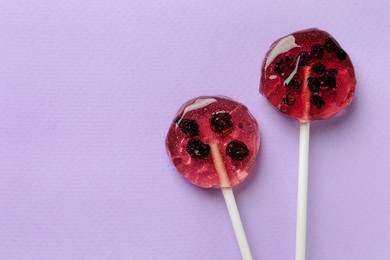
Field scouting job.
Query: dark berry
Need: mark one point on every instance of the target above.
(317, 101)
(284, 66)
(332, 71)
(304, 58)
(328, 80)
(295, 83)
(331, 45)
(318, 68)
(189, 127)
(197, 149)
(317, 51)
(237, 150)
(240, 125)
(288, 100)
(220, 122)
(341, 54)
(177, 161)
(313, 84)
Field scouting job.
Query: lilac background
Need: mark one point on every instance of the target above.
(88, 89)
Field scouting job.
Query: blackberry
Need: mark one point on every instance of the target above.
(331, 45)
(189, 127)
(318, 68)
(237, 150)
(313, 84)
(328, 80)
(197, 149)
(177, 161)
(220, 122)
(295, 83)
(332, 71)
(341, 54)
(317, 101)
(288, 100)
(304, 58)
(284, 66)
(317, 51)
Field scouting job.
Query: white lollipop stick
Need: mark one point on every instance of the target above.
(231, 203)
(300, 251)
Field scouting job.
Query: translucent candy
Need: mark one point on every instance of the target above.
(308, 76)
(206, 122)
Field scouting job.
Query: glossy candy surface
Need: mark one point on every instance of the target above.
(308, 76)
(204, 121)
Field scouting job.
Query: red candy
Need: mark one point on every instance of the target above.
(308, 76)
(204, 123)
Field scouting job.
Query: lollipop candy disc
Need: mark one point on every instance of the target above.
(308, 76)
(205, 123)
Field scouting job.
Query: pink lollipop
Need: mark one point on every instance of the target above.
(213, 142)
(307, 76)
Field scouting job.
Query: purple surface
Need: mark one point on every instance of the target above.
(87, 94)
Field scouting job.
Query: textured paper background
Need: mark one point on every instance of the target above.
(88, 90)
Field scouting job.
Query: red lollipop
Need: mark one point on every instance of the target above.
(213, 142)
(307, 76)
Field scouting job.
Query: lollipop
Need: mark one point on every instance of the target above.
(307, 76)
(213, 142)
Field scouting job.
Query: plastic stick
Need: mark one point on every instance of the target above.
(300, 252)
(231, 203)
